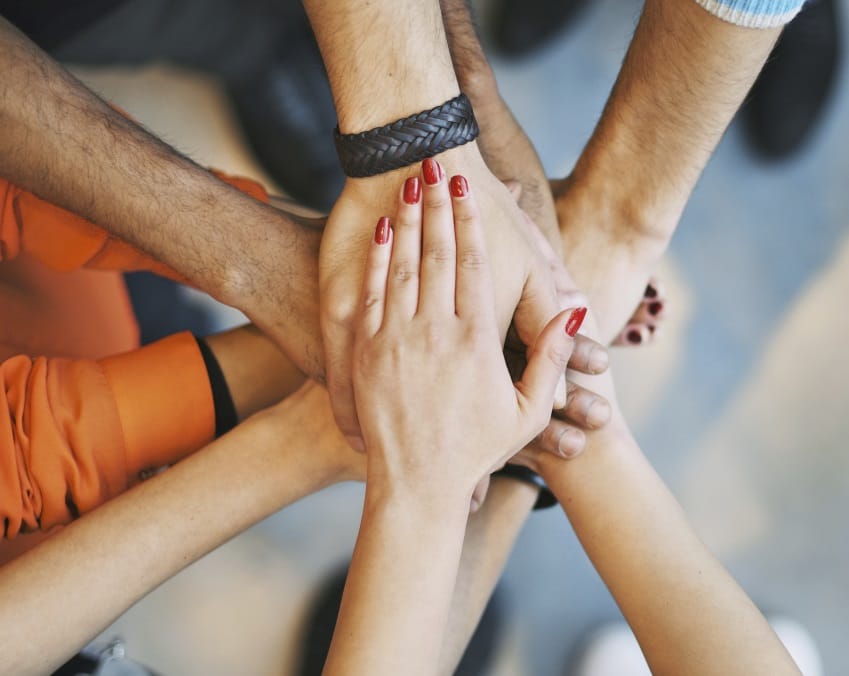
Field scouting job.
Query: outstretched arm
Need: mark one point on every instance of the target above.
(67, 146)
(683, 79)
(686, 611)
(143, 537)
(683, 606)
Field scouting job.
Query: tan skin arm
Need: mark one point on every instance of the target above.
(63, 143)
(50, 602)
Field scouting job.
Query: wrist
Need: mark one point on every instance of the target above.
(465, 159)
(613, 437)
(617, 213)
(441, 503)
(610, 183)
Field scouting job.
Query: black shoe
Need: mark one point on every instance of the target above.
(321, 621)
(521, 26)
(286, 112)
(789, 96)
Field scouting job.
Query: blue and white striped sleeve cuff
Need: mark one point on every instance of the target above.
(754, 13)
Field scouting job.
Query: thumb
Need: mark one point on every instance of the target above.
(547, 365)
(537, 304)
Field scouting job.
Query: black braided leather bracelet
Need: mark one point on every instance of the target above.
(521, 473)
(408, 141)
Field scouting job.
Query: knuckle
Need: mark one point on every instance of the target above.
(404, 271)
(436, 200)
(477, 336)
(340, 308)
(435, 337)
(440, 253)
(472, 259)
(372, 298)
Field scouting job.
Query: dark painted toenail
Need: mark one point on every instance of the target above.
(635, 337)
(651, 292)
(655, 308)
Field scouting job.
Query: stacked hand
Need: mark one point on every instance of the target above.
(436, 403)
(523, 289)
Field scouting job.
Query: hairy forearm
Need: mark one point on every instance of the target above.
(66, 145)
(399, 586)
(385, 59)
(70, 587)
(490, 535)
(684, 608)
(684, 77)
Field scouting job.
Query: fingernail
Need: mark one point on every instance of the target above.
(635, 337)
(381, 232)
(598, 414)
(474, 506)
(412, 190)
(651, 292)
(459, 186)
(575, 320)
(655, 308)
(432, 171)
(571, 443)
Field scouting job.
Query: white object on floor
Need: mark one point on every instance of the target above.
(613, 650)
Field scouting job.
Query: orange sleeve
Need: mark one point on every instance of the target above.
(64, 241)
(75, 433)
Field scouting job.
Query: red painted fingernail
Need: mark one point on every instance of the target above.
(575, 320)
(459, 186)
(432, 171)
(635, 337)
(381, 232)
(655, 308)
(651, 292)
(412, 190)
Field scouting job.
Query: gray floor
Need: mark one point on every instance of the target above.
(742, 406)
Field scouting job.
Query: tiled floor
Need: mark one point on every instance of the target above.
(742, 406)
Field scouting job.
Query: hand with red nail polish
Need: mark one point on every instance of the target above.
(523, 288)
(427, 342)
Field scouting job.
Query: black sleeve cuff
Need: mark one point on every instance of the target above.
(225, 410)
(545, 499)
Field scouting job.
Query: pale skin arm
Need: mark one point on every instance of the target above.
(66, 145)
(419, 342)
(683, 606)
(491, 534)
(145, 536)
